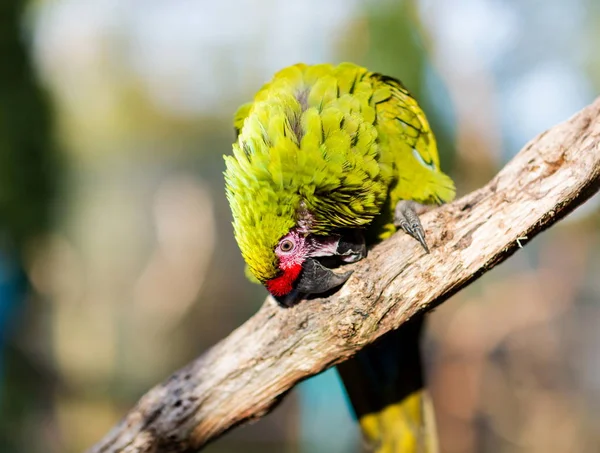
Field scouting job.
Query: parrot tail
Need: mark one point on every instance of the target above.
(385, 385)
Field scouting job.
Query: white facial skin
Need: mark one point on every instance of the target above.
(294, 248)
(301, 273)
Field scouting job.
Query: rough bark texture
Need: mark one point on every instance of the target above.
(243, 376)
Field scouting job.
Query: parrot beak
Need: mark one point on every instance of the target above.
(316, 278)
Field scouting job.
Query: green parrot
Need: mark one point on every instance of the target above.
(329, 160)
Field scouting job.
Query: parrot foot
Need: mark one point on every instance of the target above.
(405, 217)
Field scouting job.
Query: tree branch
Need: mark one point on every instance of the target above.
(243, 376)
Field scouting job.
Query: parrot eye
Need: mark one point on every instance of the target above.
(286, 245)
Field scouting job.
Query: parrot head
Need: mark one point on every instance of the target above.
(300, 270)
(278, 240)
(290, 265)
(282, 167)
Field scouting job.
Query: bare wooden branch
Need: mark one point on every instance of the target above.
(243, 376)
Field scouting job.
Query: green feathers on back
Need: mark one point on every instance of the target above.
(322, 148)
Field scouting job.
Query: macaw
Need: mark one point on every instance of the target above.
(328, 161)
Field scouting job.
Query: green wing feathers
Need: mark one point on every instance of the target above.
(404, 131)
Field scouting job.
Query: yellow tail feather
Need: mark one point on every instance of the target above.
(404, 427)
(385, 385)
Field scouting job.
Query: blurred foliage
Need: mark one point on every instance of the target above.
(28, 162)
(29, 173)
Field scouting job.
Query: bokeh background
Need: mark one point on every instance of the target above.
(117, 261)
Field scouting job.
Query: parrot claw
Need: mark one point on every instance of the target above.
(406, 217)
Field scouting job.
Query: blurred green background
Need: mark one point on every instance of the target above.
(117, 260)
